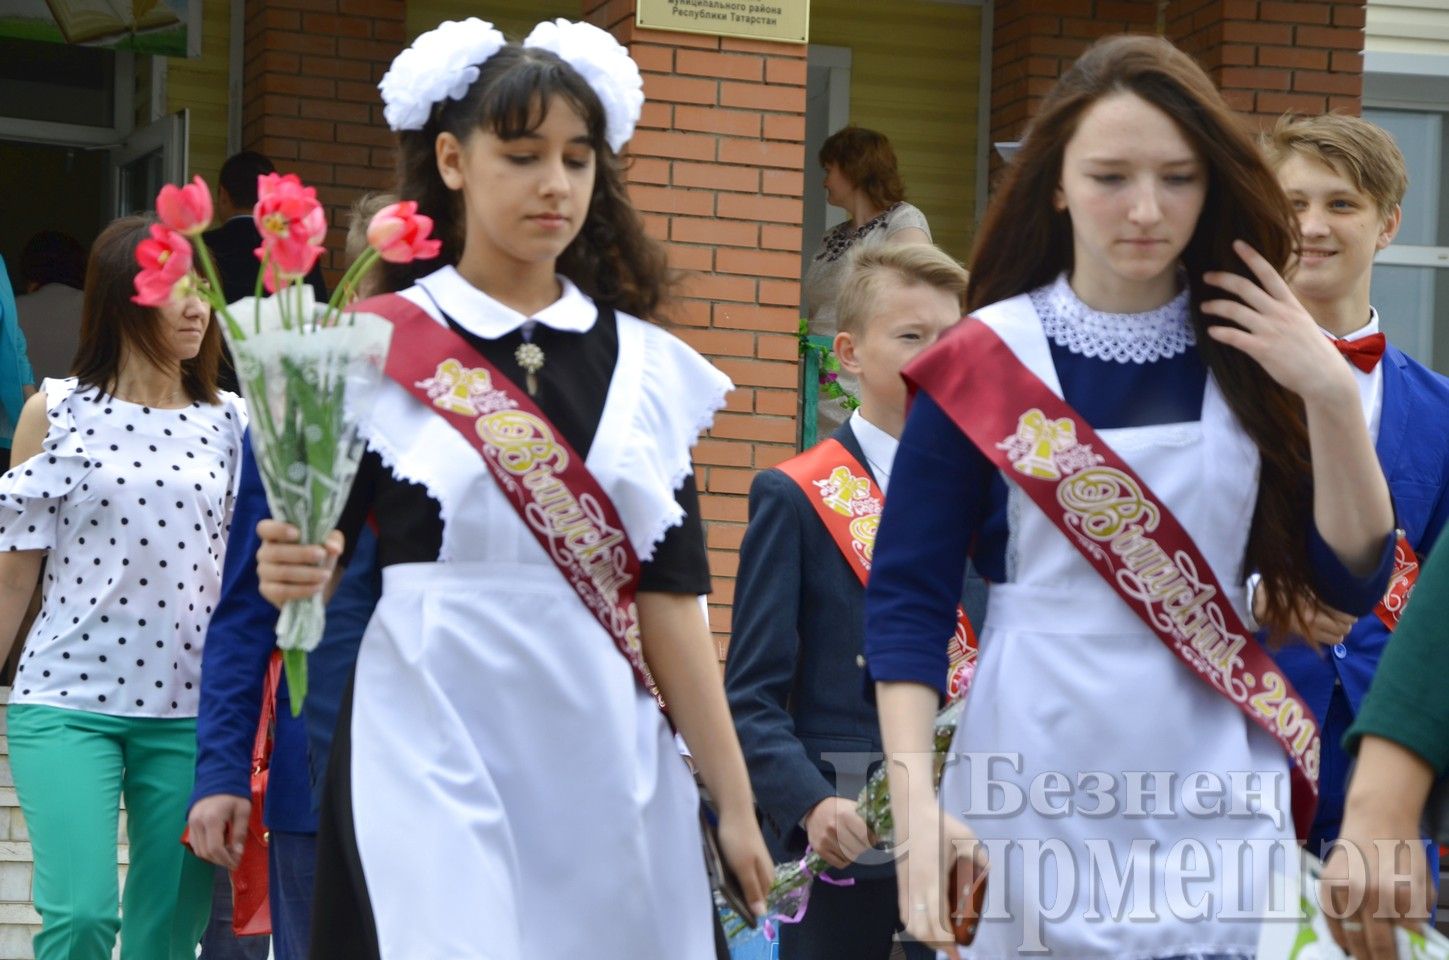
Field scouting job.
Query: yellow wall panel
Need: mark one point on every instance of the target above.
(915, 76)
(199, 84)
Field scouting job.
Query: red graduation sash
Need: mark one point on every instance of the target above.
(540, 474)
(1122, 529)
(1401, 584)
(848, 502)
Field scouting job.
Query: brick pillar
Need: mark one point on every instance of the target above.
(717, 169)
(1267, 56)
(310, 99)
(1034, 41)
(1271, 57)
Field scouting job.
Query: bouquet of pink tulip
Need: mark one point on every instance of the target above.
(308, 371)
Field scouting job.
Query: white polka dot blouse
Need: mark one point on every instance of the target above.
(132, 503)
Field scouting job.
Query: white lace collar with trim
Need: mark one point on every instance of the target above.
(1120, 337)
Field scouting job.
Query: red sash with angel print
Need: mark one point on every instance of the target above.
(848, 502)
(1401, 584)
(1123, 530)
(540, 474)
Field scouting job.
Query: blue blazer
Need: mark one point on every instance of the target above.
(239, 641)
(794, 670)
(1413, 449)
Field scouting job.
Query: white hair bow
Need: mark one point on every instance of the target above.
(444, 62)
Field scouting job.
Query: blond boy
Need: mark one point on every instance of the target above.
(793, 675)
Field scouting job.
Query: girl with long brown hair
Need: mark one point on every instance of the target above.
(123, 486)
(1133, 252)
(545, 808)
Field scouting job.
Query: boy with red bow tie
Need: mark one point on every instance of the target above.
(1346, 178)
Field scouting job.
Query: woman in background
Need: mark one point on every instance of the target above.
(861, 178)
(124, 487)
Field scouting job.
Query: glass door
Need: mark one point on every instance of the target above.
(827, 109)
(144, 161)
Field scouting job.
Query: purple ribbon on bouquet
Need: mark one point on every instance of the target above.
(802, 898)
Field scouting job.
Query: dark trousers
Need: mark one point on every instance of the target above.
(219, 942)
(848, 923)
(291, 870)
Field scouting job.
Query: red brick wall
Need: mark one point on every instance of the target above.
(717, 170)
(1034, 41)
(1272, 57)
(311, 101)
(1267, 56)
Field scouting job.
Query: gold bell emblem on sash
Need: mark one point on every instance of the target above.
(842, 489)
(1040, 440)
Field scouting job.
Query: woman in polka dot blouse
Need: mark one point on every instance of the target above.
(122, 490)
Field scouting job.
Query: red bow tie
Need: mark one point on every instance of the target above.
(1363, 353)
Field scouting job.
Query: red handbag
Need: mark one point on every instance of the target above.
(251, 912)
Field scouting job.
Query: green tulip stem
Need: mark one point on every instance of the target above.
(346, 290)
(294, 665)
(217, 296)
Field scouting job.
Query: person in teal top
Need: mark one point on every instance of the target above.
(1401, 736)
(17, 380)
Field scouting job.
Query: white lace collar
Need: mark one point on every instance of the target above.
(1120, 337)
(478, 313)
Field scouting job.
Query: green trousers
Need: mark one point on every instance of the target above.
(71, 769)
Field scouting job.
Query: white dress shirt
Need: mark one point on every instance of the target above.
(878, 446)
(1371, 384)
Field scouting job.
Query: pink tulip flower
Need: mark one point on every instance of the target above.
(285, 260)
(165, 259)
(185, 209)
(399, 234)
(292, 224)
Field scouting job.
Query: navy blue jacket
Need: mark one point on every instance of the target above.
(1413, 449)
(793, 673)
(239, 641)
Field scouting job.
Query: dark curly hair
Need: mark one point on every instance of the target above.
(611, 259)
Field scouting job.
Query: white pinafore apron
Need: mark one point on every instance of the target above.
(1073, 694)
(515, 794)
